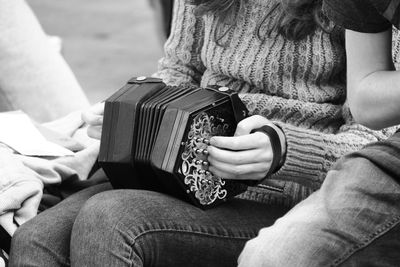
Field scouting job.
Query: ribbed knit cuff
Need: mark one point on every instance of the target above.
(305, 157)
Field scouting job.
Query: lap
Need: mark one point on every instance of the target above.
(119, 205)
(150, 228)
(356, 208)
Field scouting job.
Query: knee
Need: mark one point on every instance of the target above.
(98, 214)
(93, 231)
(24, 238)
(119, 210)
(25, 241)
(106, 228)
(108, 214)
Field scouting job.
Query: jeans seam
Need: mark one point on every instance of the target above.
(368, 240)
(184, 231)
(168, 230)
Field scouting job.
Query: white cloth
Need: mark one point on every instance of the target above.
(22, 178)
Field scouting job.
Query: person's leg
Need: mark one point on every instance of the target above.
(353, 220)
(143, 228)
(44, 240)
(383, 252)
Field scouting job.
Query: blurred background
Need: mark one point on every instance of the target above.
(104, 41)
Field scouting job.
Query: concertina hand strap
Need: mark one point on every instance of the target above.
(275, 144)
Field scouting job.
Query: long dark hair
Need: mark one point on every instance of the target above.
(295, 19)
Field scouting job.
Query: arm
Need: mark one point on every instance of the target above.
(314, 145)
(182, 63)
(373, 83)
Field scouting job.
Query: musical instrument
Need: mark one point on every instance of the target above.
(155, 137)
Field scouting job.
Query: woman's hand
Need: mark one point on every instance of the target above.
(93, 116)
(246, 155)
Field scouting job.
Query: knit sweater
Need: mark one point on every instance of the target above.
(299, 85)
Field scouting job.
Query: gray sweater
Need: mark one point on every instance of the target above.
(300, 85)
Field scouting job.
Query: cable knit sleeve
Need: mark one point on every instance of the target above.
(313, 143)
(181, 63)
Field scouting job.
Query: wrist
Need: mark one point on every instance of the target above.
(282, 138)
(277, 142)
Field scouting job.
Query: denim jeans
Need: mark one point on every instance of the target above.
(44, 240)
(138, 228)
(353, 220)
